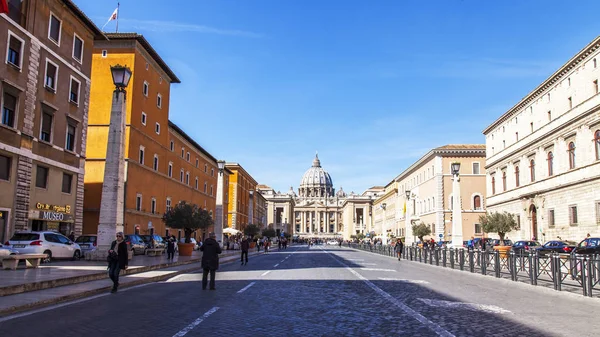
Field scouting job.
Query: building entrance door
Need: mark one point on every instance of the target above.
(3, 226)
(534, 227)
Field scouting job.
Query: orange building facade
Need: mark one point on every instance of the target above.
(242, 195)
(163, 165)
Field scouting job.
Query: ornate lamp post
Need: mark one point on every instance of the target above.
(111, 206)
(219, 202)
(457, 237)
(408, 236)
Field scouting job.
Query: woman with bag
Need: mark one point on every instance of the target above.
(117, 260)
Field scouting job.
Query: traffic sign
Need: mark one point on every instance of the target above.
(441, 235)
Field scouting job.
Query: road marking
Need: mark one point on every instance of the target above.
(173, 279)
(429, 324)
(196, 322)
(355, 259)
(246, 287)
(56, 306)
(275, 266)
(377, 269)
(368, 264)
(265, 273)
(403, 280)
(467, 306)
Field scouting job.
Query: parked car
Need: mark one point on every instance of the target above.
(332, 242)
(523, 246)
(135, 243)
(158, 241)
(53, 244)
(192, 240)
(88, 243)
(588, 246)
(7, 250)
(556, 246)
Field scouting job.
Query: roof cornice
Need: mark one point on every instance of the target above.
(548, 83)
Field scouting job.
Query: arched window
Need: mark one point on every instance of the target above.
(493, 185)
(477, 202)
(571, 155)
(597, 144)
(517, 174)
(503, 181)
(550, 164)
(532, 170)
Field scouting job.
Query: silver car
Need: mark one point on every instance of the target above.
(7, 250)
(88, 243)
(53, 244)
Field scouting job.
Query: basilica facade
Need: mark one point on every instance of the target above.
(317, 210)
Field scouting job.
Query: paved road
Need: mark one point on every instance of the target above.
(320, 291)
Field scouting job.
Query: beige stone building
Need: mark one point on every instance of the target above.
(543, 154)
(429, 181)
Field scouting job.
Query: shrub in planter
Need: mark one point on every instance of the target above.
(189, 218)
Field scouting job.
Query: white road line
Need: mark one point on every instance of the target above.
(246, 287)
(265, 273)
(467, 306)
(355, 259)
(275, 266)
(403, 280)
(429, 324)
(368, 264)
(56, 306)
(173, 279)
(196, 322)
(376, 269)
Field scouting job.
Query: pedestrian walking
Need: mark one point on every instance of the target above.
(267, 244)
(245, 245)
(398, 248)
(117, 260)
(72, 236)
(210, 260)
(170, 249)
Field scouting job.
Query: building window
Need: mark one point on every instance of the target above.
(573, 215)
(181, 175)
(548, 97)
(504, 181)
(168, 204)
(518, 221)
(570, 99)
(597, 211)
(70, 142)
(196, 183)
(170, 172)
(516, 136)
(51, 75)
(503, 144)
(66, 183)
(188, 157)
(197, 162)
(205, 168)
(138, 202)
(104, 53)
(172, 146)
(532, 170)
(142, 149)
(477, 202)
(46, 132)
(153, 206)
(155, 164)
(550, 164)
(5, 166)
(187, 178)
(77, 48)
(597, 143)
(212, 172)
(205, 187)
(9, 108)
(14, 54)
(594, 63)
(477, 228)
(144, 118)
(595, 86)
(182, 152)
(159, 101)
(550, 218)
(145, 89)
(531, 127)
(211, 190)
(41, 177)
(157, 128)
(54, 29)
(571, 155)
(549, 116)
(74, 91)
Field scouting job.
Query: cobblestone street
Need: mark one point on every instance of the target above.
(319, 291)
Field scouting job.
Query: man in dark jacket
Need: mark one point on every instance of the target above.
(245, 246)
(210, 260)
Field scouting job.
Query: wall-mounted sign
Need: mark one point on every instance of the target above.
(54, 208)
(51, 216)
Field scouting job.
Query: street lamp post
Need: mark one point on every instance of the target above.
(219, 202)
(408, 236)
(457, 237)
(383, 232)
(113, 198)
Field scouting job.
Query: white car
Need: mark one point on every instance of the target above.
(53, 244)
(192, 240)
(332, 242)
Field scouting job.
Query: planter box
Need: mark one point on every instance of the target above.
(504, 250)
(185, 249)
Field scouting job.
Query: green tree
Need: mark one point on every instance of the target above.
(269, 232)
(360, 236)
(421, 230)
(188, 217)
(500, 223)
(252, 230)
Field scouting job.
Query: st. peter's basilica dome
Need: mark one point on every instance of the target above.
(316, 182)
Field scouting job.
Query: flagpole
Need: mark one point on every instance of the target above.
(118, 5)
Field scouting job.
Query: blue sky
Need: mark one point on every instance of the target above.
(370, 85)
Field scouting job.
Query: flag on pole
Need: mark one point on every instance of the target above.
(3, 6)
(114, 16)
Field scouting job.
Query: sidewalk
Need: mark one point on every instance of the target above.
(65, 281)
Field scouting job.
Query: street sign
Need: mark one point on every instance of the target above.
(441, 235)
